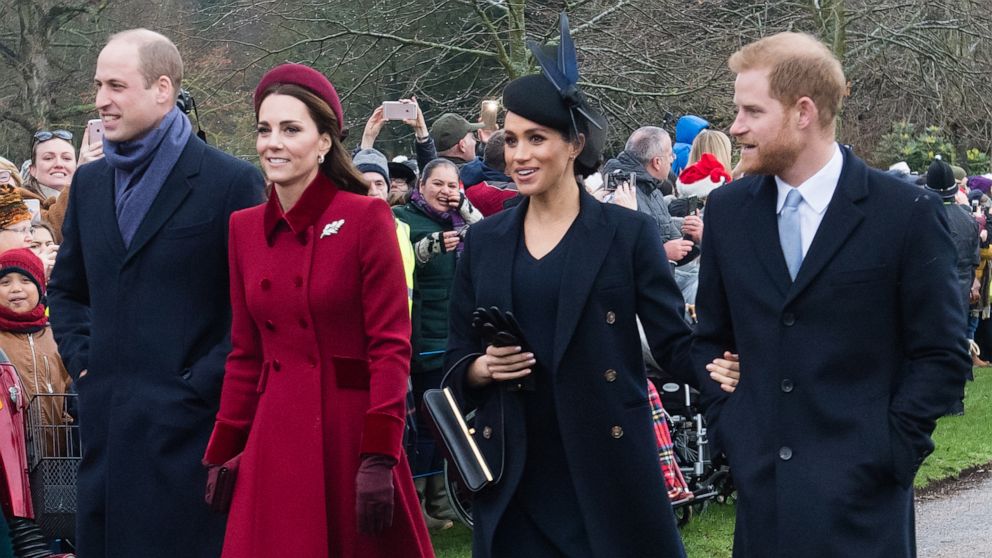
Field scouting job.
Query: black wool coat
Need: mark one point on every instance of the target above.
(843, 372)
(150, 324)
(616, 270)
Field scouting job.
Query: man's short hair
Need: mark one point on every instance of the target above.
(157, 56)
(646, 143)
(493, 155)
(799, 66)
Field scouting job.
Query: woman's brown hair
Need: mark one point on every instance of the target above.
(337, 164)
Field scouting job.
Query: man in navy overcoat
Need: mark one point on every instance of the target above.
(842, 304)
(141, 311)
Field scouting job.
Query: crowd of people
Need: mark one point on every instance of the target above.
(281, 327)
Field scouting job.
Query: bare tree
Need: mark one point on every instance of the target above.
(40, 45)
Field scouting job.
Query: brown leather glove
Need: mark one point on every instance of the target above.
(374, 493)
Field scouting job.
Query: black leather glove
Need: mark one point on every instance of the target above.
(374, 494)
(500, 329)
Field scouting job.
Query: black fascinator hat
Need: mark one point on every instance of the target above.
(553, 99)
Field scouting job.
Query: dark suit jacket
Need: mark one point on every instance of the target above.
(844, 371)
(615, 270)
(151, 325)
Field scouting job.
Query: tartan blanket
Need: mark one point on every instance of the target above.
(675, 483)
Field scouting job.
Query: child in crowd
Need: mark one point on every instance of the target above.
(27, 340)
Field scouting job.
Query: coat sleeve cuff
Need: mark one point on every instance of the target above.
(383, 434)
(226, 441)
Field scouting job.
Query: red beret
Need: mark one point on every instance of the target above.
(307, 78)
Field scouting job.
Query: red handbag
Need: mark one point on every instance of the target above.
(220, 484)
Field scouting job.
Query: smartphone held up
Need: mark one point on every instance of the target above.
(489, 111)
(94, 131)
(398, 110)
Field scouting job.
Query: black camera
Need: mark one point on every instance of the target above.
(616, 178)
(691, 205)
(185, 101)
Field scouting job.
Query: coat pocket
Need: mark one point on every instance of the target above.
(263, 379)
(187, 230)
(351, 373)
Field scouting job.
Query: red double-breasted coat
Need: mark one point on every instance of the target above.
(317, 376)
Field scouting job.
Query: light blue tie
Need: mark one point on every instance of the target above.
(789, 233)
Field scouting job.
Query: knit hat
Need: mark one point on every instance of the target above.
(23, 261)
(902, 167)
(12, 208)
(450, 129)
(553, 98)
(959, 172)
(940, 179)
(702, 177)
(305, 77)
(371, 160)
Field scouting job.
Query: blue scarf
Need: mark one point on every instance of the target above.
(141, 167)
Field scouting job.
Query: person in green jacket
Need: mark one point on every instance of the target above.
(438, 214)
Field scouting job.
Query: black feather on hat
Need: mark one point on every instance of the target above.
(553, 98)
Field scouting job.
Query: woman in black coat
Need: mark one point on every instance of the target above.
(563, 419)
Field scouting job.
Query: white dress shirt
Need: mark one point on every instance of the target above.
(817, 192)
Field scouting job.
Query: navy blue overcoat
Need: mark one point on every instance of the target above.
(151, 326)
(844, 371)
(615, 271)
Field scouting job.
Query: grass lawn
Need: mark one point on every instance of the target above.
(962, 442)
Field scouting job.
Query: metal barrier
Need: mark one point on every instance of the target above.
(54, 453)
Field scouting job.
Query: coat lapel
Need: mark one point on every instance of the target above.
(499, 278)
(173, 192)
(108, 208)
(840, 220)
(760, 219)
(592, 242)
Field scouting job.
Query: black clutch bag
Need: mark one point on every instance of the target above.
(452, 431)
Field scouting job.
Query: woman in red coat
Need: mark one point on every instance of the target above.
(314, 392)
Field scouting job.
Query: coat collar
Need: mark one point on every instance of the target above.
(840, 220)
(311, 205)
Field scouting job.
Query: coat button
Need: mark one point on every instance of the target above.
(616, 432)
(276, 365)
(298, 281)
(312, 360)
(610, 375)
(304, 324)
(265, 284)
(269, 325)
(787, 385)
(785, 453)
(611, 317)
(487, 432)
(789, 319)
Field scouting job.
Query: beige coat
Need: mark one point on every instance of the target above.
(40, 369)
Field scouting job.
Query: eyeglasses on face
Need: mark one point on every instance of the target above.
(45, 135)
(20, 231)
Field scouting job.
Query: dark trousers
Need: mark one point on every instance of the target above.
(519, 535)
